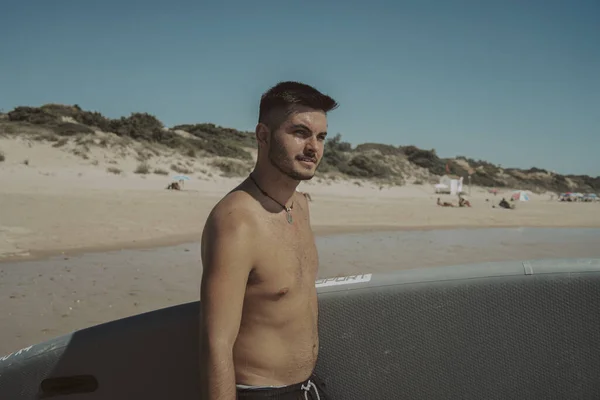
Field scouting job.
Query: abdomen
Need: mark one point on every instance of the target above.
(277, 344)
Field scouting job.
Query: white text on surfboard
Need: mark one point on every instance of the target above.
(343, 280)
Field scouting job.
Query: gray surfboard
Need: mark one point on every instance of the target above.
(486, 331)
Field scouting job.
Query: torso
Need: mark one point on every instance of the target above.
(278, 340)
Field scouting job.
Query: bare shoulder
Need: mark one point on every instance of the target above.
(303, 200)
(236, 207)
(230, 223)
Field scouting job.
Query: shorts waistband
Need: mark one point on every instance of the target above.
(252, 387)
(306, 385)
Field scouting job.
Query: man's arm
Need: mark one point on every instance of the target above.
(227, 259)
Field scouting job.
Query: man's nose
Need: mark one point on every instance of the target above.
(312, 144)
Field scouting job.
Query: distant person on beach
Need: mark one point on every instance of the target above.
(505, 204)
(462, 202)
(259, 332)
(444, 204)
(173, 186)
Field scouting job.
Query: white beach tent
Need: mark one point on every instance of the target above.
(452, 182)
(441, 188)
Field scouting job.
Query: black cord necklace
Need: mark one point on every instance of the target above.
(288, 210)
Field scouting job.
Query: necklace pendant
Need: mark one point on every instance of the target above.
(289, 217)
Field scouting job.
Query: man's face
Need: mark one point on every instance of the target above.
(296, 146)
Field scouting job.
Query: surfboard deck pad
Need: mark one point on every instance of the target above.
(484, 331)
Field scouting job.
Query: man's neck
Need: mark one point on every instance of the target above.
(275, 184)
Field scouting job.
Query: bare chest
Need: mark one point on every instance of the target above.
(288, 261)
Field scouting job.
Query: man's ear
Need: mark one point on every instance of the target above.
(262, 134)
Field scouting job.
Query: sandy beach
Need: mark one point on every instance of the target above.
(58, 202)
(80, 245)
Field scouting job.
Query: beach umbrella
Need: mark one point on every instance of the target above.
(181, 178)
(520, 195)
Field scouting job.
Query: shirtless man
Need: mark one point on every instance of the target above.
(259, 334)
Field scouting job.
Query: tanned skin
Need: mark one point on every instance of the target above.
(258, 295)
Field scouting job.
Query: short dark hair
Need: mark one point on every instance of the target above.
(285, 95)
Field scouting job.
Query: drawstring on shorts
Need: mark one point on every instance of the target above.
(307, 387)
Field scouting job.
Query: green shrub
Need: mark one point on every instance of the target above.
(231, 168)
(70, 129)
(364, 166)
(142, 168)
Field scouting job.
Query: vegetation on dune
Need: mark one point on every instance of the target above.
(72, 120)
(218, 141)
(229, 147)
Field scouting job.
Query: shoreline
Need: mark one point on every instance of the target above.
(319, 231)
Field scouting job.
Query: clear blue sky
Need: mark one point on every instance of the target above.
(513, 82)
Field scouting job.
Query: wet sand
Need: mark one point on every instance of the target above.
(43, 299)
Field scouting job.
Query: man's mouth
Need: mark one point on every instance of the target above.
(307, 159)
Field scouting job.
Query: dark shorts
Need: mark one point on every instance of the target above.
(311, 389)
